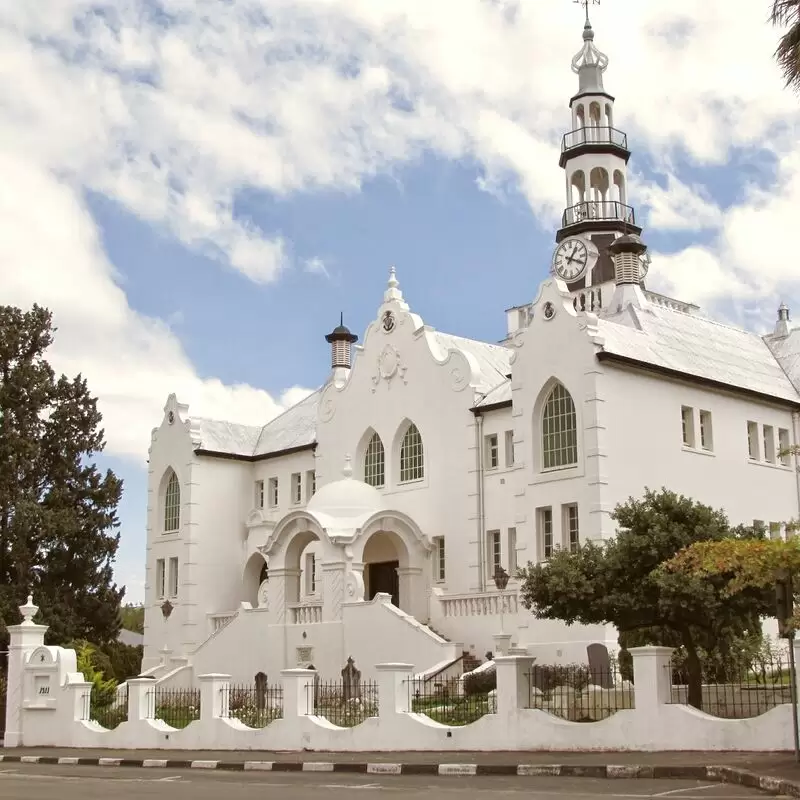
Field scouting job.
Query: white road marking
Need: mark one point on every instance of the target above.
(690, 789)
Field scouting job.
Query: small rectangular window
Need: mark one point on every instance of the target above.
(491, 451)
(259, 494)
(160, 577)
(545, 524)
(273, 492)
(297, 488)
(311, 484)
(173, 577)
(706, 431)
(571, 529)
(783, 447)
(752, 440)
(775, 530)
(509, 448)
(438, 559)
(770, 450)
(311, 574)
(495, 546)
(687, 424)
(512, 552)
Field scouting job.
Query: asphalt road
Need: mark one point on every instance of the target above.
(34, 782)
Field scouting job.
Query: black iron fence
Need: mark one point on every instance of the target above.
(107, 710)
(3, 690)
(343, 703)
(579, 692)
(732, 688)
(177, 707)
(448, 702)
(254, 705)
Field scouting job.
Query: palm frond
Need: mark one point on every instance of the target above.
(786, 13)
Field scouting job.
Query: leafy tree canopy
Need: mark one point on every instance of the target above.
(57, 510)
(132, 618)
(618, 582)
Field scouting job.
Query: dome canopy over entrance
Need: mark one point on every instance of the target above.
(345, 499)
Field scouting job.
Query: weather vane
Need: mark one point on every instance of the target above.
(585, 4)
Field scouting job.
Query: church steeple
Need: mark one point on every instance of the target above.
(594, 157)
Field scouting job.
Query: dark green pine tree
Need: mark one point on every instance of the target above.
(58, 513)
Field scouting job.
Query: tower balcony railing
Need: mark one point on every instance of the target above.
(594, 134)
(611, 210)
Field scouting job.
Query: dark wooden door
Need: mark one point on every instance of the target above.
(383, 577)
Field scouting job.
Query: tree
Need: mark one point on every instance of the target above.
(786, 14)
(58, 513)
(132, 618)
(618, 582)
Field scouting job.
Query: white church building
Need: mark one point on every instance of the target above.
(369, 519)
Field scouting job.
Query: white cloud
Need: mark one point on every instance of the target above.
(50, 254)
(316, 266)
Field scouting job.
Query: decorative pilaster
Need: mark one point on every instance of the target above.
(283, 583)
(299, 697)
(513, 683)
(333, 578)
(23, 640)
(141, 698)
(413, 594)
(394, 685)
(214, 695)
(652, 678)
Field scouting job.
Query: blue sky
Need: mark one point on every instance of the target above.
(197, 190)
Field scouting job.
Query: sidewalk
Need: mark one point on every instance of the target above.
(777, 773)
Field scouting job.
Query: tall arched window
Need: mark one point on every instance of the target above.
(412, 456)
(172, 504)
(375, 463)
(559, 430)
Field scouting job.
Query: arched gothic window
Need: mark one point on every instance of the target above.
(375, 463)
(172, 504)
(412, 456)
(559, 430)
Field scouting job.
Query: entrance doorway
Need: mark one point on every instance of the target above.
(382, 577)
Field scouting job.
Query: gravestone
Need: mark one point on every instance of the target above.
(599, 666)
(351, 681)
(261, 691)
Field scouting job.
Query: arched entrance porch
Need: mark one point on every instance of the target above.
(394, 554)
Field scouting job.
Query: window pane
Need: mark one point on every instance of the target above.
(559, 430)
(412, 462)
(375, 463)
(172, 505)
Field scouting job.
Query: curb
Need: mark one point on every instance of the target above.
(718, 774)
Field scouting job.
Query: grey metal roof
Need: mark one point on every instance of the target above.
(500, 394)
(494, 360)
(696, 346)
(787, 352)
(227, 437)
(296, 427)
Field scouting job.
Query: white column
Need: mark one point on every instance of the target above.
(283, 588)
(502, 644)
(652, 678)
(214, 695)
(333, 574)
(394, 689)
(413, 593)
(513, 682)
(298, 692)
(23, 640)
(141, 698)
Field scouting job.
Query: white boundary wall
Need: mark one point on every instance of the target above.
(47, 699)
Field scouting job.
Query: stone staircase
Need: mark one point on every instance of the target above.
(469, 662)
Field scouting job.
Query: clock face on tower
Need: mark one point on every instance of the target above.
(571, 258)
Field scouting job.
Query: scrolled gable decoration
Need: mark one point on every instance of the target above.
(390, 364)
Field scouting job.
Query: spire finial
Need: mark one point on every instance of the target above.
(393, 282)
(341, 318)
(393, 293)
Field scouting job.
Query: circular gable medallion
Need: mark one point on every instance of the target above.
(388, 362)
(171, 417)
(388, 322)
(549, 310)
